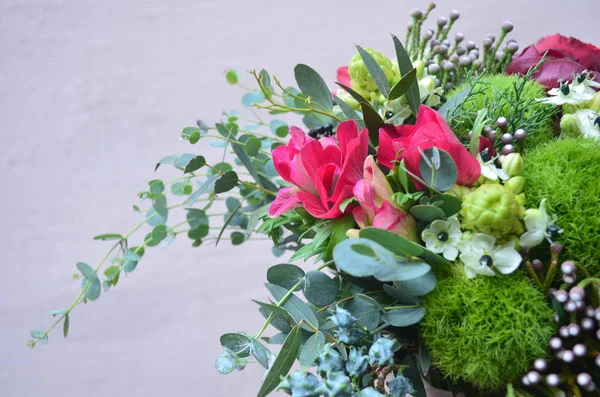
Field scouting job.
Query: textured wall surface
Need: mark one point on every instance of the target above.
(92, 93)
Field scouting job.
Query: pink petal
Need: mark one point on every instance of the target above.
(286, 200)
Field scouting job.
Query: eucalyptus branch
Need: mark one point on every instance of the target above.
(279, 304)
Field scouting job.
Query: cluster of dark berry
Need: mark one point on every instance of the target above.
(507, 138)
(574, 368)
(321, 132)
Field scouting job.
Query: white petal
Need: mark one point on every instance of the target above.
(450, 252)
(506, 259)
(532, 238)
(485, 241)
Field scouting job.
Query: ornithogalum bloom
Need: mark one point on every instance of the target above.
(322, 172)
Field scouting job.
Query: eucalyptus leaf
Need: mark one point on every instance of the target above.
(252, 146)
(427, 213)
(418, 286)
(226, 182)
(196, 216)
(349, 112)
(375, 71)
(393, 242)
(283, 363)
(226, 363)
(453, 103)
(159, 204)
(451, 205)
(280, 320)
(443, 177)
(366, 310)
(260, 353)
(285, 275)
(94, 287)
(66, 324)
(251, 98)
(195, 164)
(319, 288)
(313, 85)
(239, 344)
(359, 98)
(87, 271)
(108, 236)
(400, 295)
(311, 349)
(232, 77)
(403, 317)
(294, 306)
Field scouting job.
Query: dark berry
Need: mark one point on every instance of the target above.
(389, 115)
(442, 236)
(486, 260)
(553, 231)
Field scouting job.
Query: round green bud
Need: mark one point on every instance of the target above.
(513, 164)
(516, 184)
(420, 66)
(594, 103)
(568, 125)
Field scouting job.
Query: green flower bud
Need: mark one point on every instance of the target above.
(513, 164)
(420, 66)
(516, 184)
(492, 209)
(568, 108)
(568, 125)
(459, 191)
(594, 103)
(362, 82)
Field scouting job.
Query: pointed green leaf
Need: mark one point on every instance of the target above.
(375, 71)
(403, 317)
(373, 122)
(239, 344)
(403, 85)
(294, 306)
(359, 98)
(109, 236)
(285, 275)
(405, 65)
(195, 164)
(283, 363)
(448, 108)
(319, 288)
(311, 349)
(226, 182)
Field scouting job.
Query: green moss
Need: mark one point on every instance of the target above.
(486, 330)
(567, 174)
(502, 96)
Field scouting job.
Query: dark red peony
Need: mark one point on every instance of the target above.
(403, 143)
(565, 56)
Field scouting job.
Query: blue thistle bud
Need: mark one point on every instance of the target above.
(382, 352)
(335, 384)
(300, 384)
(330, 360)
(358, 361)
(342, 318)
(354, 336)
(400, 386)
(369, 392)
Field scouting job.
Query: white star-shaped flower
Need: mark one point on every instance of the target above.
(480, 255)
(537, 222)
(490, 171)
(566, 94)
(441, 237)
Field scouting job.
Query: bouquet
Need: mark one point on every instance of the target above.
(439, 213)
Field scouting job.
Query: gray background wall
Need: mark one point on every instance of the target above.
(92, 93)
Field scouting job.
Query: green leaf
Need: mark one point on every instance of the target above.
(427, 213)
(239, 344)
(313, 85)
(424, 359)
(265, 79)
(196, 217)
(252, 146)
(156, 187)
(375, 71)
(405, 65)
(159, 233)
(448, 108)
(176, 160)
(132, 257)
(294, 306)
(281, 319)
(232, 77)
(42, 336)
(311, 350)
(159, 204)
(220, 168)
(478, 125)
(400, 295)
(285, 275)
(451, 205)
(109, 236)
(57, 312)
(226, 182)
(93, 290)
(195, 164)
(260, 353)
(275, 125)
(418, 286)
(373, 122)
(403, 85)
(255, 217)
(339, 228)
(398, 245)
(66, 324)
(349, 112)
(112, 271)
(319, 288)
(227, 221)
(403, 317)
(366, 310)
(226, 363)
(199, 232)
(359, 98)
(87, 271)
(441, 174)
(237, 238)
(283, 363)
(252, 97)
(195, 137)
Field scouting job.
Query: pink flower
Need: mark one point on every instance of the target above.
(566, 55)
(343, 76)
(322, 172)
(377, 209)
(404, 141)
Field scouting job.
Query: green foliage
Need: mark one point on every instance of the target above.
(486, 330)
(566, 173)
(512, 97)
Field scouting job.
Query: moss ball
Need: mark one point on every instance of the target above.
(497, 94)
(486, 330)
(567, 174)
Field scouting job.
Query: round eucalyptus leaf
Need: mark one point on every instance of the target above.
(419, 286)
(226, 363)
(360, 257)
(232, 77)
(252, 146)
(239, 344)
(319, 289)
(226, 182)
(237, 238)
(449, 204)
(403, 317)
(366, 310)
(438, 164)
(285, 275)
(427, 213)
